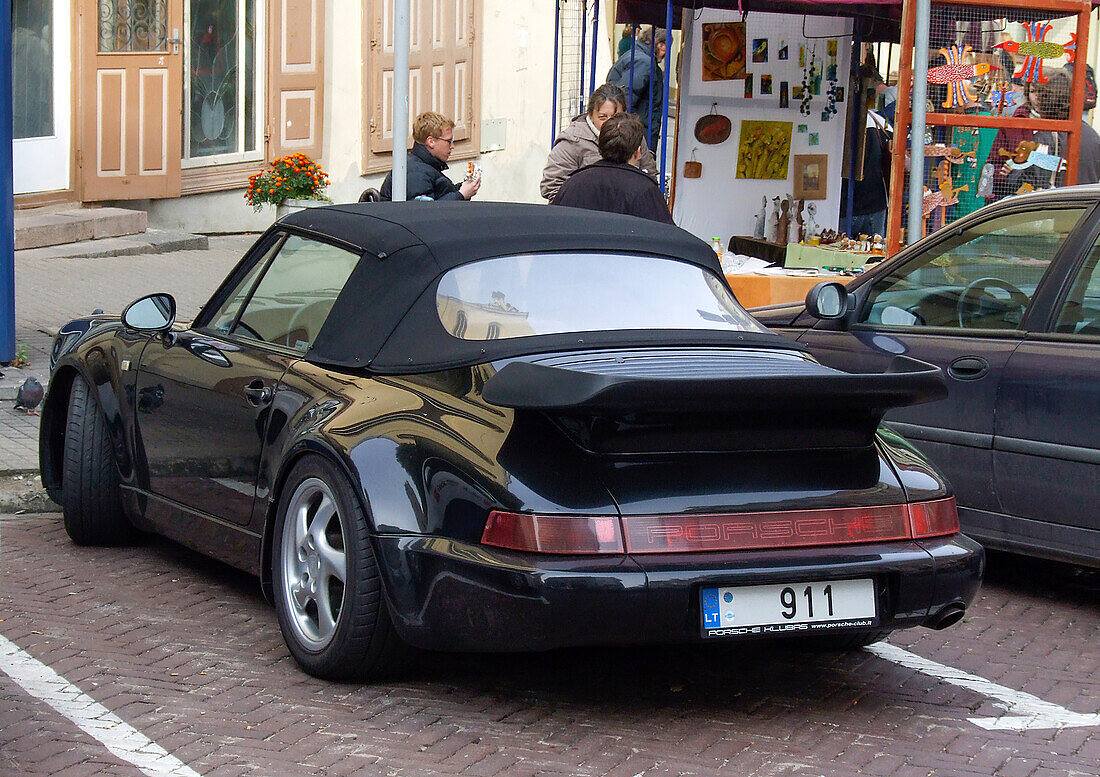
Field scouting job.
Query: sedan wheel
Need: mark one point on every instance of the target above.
(328, 592)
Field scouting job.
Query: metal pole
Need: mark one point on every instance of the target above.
(584, 45)
(554, 99)
(399, 182)
(915, 224)
(668, 80)
(7, 191)
(595, 38)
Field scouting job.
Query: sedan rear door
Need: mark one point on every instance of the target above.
(962, 304)
(1047, 436)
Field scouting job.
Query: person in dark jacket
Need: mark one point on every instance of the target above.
(433, 142)
(639, 91)
(615, 184)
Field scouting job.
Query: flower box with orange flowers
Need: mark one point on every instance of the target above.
(292, 177)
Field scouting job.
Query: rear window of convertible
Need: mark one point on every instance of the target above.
(540, 294)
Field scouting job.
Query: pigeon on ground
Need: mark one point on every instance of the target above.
(29, 395)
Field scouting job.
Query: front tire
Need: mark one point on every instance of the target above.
(91, 502)
(328, 592)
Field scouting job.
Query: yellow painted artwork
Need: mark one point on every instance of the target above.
(765, 149)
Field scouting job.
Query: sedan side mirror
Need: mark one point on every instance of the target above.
(154, 313)
(829, 299)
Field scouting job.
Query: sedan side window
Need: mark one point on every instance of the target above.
(223, 320)
(296, 294)
(982, 278)
(1080, 313)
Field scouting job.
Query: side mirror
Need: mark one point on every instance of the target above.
(829, 300)
(155, 313)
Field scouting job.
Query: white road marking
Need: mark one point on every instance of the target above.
(90, 716)
(1023, 711)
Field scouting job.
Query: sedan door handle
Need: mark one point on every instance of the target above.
(968, 368)
(257, 393)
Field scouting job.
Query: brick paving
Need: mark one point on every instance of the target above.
(49, 292)
(187, 651)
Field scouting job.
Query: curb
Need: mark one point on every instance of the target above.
(21, 492)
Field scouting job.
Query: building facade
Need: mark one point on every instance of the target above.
(170, 105)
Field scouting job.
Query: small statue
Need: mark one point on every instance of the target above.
(760, 219)
(784, 222)
(773, 219)
(799, 220)
(811, 225)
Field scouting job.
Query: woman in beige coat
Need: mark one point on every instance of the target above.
(576, 145)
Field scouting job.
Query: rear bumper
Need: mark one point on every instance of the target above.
(456, 596)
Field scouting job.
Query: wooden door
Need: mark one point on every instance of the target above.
(131, 99)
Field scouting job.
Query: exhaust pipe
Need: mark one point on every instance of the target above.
(947, 616)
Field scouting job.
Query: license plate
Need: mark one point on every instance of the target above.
(788, 608)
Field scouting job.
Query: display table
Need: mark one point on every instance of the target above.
(754, 290)
(799, 255)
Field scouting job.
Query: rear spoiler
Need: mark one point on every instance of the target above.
(527, 386)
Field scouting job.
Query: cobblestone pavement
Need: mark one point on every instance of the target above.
(187, 652)
(49, 292)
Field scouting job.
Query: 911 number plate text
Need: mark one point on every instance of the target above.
(788, 608)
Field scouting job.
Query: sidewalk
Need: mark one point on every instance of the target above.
(49, 292)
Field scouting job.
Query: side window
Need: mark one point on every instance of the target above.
(1080, 313)
(222, 321)
(983, 278)
(295, 295)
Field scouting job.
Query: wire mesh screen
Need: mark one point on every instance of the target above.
(574, 25)
(1011, 65)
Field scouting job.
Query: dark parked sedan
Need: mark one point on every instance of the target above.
(1007, 302)
(490, 427)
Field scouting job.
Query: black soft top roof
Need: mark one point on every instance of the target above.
(406, 246)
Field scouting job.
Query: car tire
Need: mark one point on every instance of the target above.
(336, 630)
(91, 501)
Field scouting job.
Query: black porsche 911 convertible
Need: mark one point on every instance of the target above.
(482, 427)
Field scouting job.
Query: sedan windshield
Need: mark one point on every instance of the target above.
(539, 294)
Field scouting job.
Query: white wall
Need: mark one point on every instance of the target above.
(719, 203)
(517, 52)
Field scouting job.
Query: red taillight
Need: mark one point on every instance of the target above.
(728, 531)
(934, 519)
(751, 531)
(554, 533)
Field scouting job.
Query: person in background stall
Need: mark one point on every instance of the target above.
(576, 146)
(647, 97)
(1052, 101)
(624, 41)
(615, 184)
(871, 193)
(433, 142)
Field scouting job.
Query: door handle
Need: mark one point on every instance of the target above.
(257, 393)
(968, 368)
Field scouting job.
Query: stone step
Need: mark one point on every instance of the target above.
(151, 241)
(38, 228)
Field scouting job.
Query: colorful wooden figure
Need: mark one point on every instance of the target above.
(1002, 98)
(955, 74)
(1035, 49)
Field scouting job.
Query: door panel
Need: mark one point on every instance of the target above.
(1047, 446)
(202, 407)
(956, 433)
(41, 94)
(132, 93)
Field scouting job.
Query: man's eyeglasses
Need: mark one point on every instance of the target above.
(448, 141)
